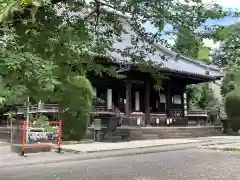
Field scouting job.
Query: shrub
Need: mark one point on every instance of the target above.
(232, 108)
(76, 102)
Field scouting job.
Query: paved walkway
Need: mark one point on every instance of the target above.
(103, 150)
(13, 160)
(4, 148)
(189, 164)
(101, 146)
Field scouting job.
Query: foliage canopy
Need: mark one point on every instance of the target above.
(229, 51)
(48, 47)
(232, 104)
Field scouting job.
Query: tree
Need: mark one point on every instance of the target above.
(231, 79)
(187, 43)
(204, 53)
(48, 47)
(229, 50)
(232, 104)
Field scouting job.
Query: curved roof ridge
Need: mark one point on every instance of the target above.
(165, 49)
(173, 53)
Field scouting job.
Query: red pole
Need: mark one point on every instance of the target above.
(59, 135)
(23, 136)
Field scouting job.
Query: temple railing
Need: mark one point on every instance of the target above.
(197, 117)
(197, 113)
(53, 108)
(105, 110)
(176, 113)
(39, 108)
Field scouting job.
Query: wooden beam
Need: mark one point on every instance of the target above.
(168, 98)
(128, 105)
(147, 101)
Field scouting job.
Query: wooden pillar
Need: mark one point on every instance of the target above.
(168, 99)
(109, 98)
(137, 101)
(128, 104)
(94, 91)
(147, 102)
(185, 108)
(158, 98)
(118, 99)
(182, 103)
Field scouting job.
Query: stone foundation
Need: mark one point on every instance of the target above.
(147, 133)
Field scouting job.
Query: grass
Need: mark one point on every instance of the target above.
(225, 149)
(231, 149)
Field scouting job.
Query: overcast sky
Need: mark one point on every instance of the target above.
(226, 4)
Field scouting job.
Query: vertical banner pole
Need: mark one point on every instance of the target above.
(27, 123)
(11, 121)
(23, 136)
(59, 135)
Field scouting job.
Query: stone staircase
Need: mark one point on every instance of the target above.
(5, 133)
(175, 132)
(147, 133)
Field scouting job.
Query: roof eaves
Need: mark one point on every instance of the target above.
(190, 73)
(164, 49)
(200, 63)
(174, 54)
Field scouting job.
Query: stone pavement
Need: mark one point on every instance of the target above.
(102, 146)
(105, 150)
(189, 164)
(14, 160)
(102, 150)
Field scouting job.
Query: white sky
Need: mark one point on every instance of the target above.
(226, 4)
(235, 4)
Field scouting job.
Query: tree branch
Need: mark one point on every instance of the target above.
(66, 12)
(90, 14)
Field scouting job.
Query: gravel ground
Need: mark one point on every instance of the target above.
(193, 164)
(4, 148)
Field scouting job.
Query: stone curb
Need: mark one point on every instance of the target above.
(165, 145)
(76, 142)
(110, 150)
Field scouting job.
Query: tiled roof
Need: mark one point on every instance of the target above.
(173, 62)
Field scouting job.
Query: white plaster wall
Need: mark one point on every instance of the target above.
(217, 89)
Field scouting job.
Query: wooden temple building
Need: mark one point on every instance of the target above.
(135, 97)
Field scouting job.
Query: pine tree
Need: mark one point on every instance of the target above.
(187, 43)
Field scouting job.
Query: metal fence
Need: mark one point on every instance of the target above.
(31, 134)
(5, 133)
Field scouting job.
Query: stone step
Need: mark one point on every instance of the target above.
(31, 148)
(150, 136)
(180, 132)
(176, 129)
(173, 135)
(160, 133)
